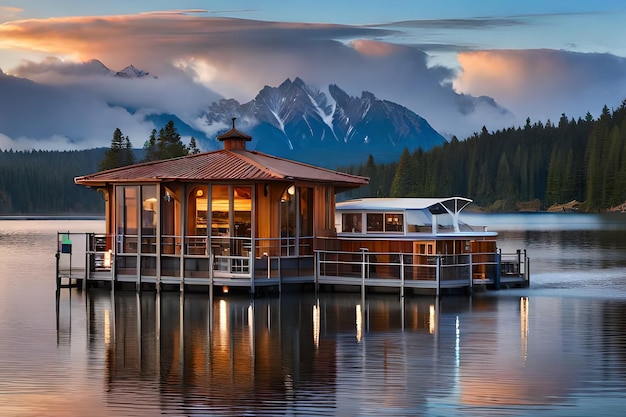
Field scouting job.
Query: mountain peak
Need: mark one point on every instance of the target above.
(132, 72)
(298, 121)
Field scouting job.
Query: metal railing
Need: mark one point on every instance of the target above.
(241, 257)
(416, 270)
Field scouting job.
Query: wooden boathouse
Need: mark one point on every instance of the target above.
(241, 218)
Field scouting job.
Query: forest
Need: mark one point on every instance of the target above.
(530, 167)
(519, 168)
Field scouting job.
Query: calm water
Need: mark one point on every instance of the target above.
(555, 349)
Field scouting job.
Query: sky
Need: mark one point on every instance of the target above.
(460, 64)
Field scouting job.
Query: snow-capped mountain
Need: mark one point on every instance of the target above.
(131, 72)
(297, 121)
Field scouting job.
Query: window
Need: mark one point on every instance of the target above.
(148, 218)
(306, 211)
(170, 221)
(288, 212)
(351, 222)
(220, 210)
(374, 222)
(126, 214)
(385, 222)
(393, 222)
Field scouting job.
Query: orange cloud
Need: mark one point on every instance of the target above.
(374, 48)
(511, 74)
(9, 13)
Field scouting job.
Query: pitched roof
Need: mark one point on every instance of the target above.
(223, 165)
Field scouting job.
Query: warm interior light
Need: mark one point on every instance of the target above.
(222, 205)
(149, 204)
(431, 319)
(359, 323)
(291, 190)
(316, 325)
(107, 328)
(107, 259)
(225, 289)
(199, 193)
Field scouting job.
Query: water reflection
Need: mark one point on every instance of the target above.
(340, 354)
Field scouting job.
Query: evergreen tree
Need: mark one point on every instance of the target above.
(401, 185)
(119, 154)
(193, 147)
(152, 153)
(169, 143)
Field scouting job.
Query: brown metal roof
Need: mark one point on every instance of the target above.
(223, 165)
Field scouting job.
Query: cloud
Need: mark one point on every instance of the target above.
(84, 106)
(36, 116)
(474, 23)
(543, 84)
(9, 12)
(236, 58)
(199, 59)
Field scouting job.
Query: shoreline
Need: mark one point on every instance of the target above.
(50, 217)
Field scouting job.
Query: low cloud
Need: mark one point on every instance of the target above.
(543, 84)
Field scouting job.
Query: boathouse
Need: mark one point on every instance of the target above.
(241, 218)
(243, 211)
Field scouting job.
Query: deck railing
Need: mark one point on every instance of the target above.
(240, 257)
(183, 259)
(402, 269)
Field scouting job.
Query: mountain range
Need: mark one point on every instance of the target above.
(300, 122)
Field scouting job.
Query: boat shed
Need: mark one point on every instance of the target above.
(232, 214)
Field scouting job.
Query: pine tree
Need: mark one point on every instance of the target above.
(119, 154)
(150, 146)
(193, 147)
(169, 143)
(401, 185)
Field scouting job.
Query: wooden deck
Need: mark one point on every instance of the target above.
(359, 271)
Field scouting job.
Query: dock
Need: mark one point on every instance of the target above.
(82, 264)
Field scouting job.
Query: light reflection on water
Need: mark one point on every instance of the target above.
(556, 348)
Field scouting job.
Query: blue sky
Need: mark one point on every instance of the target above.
(460, 64)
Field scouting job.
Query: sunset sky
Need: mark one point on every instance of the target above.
(460, 64)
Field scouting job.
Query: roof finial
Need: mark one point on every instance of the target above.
(234, 118)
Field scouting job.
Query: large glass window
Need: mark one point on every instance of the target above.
(220, 209)
(197, 204)
(126, 215)
(288, 213)
(306, 212)
(220, 220)
(242, 220)
(170, 221)
(148, 218)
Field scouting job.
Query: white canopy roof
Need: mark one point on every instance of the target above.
(452, 205)
(449, 205)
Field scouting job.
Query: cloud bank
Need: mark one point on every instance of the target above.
(69, 100)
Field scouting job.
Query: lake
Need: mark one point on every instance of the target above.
(557, 348)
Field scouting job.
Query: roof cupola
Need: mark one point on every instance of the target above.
(234, 139)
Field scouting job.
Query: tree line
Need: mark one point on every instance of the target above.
(548, 163)
(552, 163)
(42, 182)
(167, 144)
